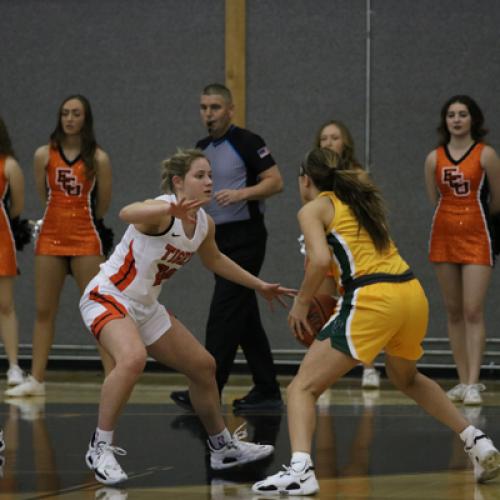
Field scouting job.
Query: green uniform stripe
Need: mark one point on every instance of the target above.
(341, 255)
(337, 329)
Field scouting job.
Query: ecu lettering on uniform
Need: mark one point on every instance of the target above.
(455, 179)
(68, 182)
(170, 262)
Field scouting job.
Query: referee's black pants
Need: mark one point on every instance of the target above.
(234, 318)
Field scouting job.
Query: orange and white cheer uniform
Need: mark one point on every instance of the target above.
(460, 232)
(68, 227)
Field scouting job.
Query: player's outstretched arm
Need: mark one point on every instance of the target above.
(220, 264)
(150, 215)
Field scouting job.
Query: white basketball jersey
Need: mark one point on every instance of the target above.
(141, 263)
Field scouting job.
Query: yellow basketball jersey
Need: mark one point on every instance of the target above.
(354, 253)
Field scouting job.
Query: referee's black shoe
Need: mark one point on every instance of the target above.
(256, 400)
(182, 399)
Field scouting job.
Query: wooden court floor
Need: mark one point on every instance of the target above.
(369, 445)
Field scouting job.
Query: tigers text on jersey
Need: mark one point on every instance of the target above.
(140, 262)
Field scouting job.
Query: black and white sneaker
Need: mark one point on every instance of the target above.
(238, 452)
(484, 456)
(100, 458)
(290, 481)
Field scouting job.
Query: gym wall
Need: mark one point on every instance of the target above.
(143, 64)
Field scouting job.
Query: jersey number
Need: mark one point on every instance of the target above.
(164, 272)
(455, 179)
(68, 182)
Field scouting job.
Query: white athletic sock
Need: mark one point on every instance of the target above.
(220, 440)
(300, 460)
(467, 435)
(103, 436)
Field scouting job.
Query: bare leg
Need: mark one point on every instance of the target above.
(180, 350)
(8, 319)
(84, 268)
(475, 284)
(50, 272)
(452, 289)
(122, 341)
(321, 367)
(404, 375)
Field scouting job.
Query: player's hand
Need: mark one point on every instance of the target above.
(226, 197)
(297, 319)
(184, 209)
(274, 291)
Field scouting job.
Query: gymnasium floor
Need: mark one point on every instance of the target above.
(369, 444)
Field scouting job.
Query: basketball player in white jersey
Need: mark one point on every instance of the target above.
(121, 309)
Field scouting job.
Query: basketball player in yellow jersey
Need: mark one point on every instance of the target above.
(383, 307)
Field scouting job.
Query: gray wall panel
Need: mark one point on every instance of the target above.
(142, 64)
(306, 65)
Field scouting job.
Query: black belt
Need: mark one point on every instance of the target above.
(369, 279)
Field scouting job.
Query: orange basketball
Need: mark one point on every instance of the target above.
(320, 310)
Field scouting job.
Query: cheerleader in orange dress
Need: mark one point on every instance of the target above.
(73, 179)
(463, 182)
(11, 205)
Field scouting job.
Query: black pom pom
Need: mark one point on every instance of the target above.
(21, 229)
(106, 234)
(495, 233)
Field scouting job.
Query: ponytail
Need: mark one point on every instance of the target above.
(329, 172)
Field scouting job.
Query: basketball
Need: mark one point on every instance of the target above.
(320, 310)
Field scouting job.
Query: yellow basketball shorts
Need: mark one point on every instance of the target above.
(390, 317)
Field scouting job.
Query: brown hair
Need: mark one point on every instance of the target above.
(6, 148)
(329, 172)
(477, 130)
(88, 141)
(347, 141)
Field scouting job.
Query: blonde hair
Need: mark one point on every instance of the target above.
(178, 164)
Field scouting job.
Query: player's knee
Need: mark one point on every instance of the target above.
(207, 366)
(299, 385)
(402, 381)
(133, 362)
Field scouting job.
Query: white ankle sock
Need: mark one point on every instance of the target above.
(220, 440)
(300, 460)
(467, 434)
(103, 436)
